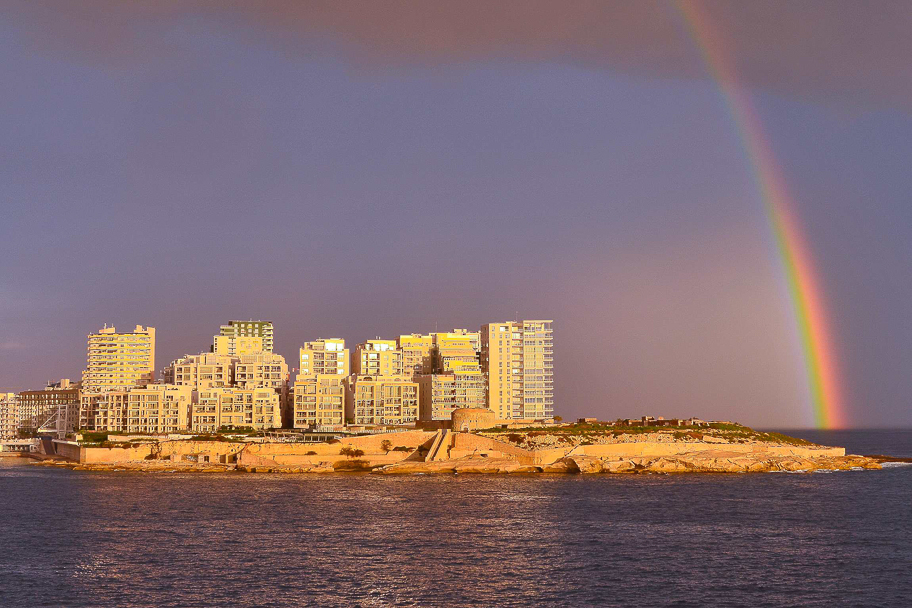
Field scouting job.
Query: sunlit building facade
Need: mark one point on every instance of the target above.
(56, 406)
(236, 408)
(118, 360)
(517, 358)
(246, 329)
(417, 353)
(377, 358)
(9, 415)
(319, 401)
(324, 357)
(206, 370)
(371, 400)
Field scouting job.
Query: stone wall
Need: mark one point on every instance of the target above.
(304, 454)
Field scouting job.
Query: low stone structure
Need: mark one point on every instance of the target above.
(472, 419)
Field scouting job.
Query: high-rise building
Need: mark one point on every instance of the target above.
(119, 361)
(324, 357)
(246, 329)
(377, 358)
(9, 415)
(416, 354)
(237, 408)
(517, 358)
(374, 400)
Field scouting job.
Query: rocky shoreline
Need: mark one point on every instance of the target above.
(697, 463)
(569, 449)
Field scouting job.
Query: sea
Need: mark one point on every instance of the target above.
(126, 539)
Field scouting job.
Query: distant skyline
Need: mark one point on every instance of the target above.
(354, 171)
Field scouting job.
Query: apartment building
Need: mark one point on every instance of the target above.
(109, 410)
(56, 405)
(416, 354)
(461, 386)
(377, 358)
(233, 346)
(236, 408)
(459, 345)
(319, 401)
(517, 358)
(261, 370)
(119, 360)
(205, 370)
(324, 357)
(248, 329)
(376, 400)
(9, 415)
(158, 408)
(455, 379)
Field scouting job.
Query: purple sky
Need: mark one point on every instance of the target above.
(357, 170)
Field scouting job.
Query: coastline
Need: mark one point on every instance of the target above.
(415, 452)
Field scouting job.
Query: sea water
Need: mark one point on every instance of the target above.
(70, 538)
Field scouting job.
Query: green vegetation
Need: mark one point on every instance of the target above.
(238, 430)
(351, 452)
(586, 432)
(215, 437)
(94, 436)
(352, 465)
(386, 445)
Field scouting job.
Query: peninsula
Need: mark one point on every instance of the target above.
(586, 447)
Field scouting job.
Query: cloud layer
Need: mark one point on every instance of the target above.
(843, 52)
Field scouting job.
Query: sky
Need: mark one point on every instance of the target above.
(358, 170)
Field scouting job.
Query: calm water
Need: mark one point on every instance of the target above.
(128, 539)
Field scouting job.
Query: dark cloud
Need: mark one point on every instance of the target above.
(843, 52)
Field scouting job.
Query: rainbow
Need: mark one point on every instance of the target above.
(811, 315)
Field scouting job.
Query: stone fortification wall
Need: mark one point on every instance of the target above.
(70, 451)
(254, 453)
(303, 454)
(468, 444)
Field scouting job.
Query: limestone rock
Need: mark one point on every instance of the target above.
(667, 465)
(618, 466)
(586, 464)
(563, 465)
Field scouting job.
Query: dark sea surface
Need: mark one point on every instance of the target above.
(71, 538)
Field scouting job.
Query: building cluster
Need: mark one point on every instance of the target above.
(240, 383)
